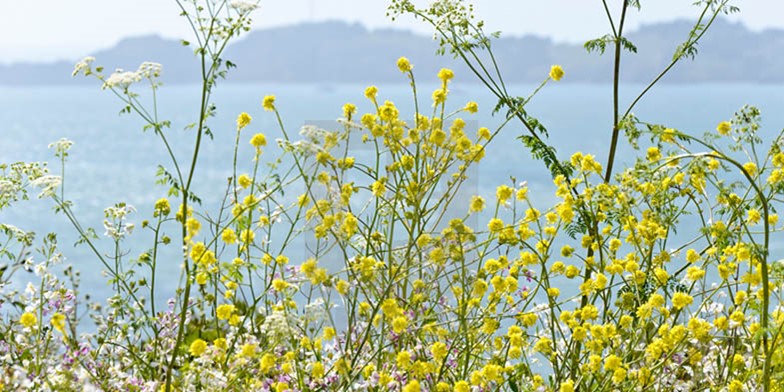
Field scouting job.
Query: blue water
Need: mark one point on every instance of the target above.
(112, 160)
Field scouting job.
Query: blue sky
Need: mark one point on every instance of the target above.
(47, 30)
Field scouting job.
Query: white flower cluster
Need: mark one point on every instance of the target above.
(124, 79)
(61, 147)
(83, 66)
(117, 228)
(121, 79)
(149, 70)
(243, 6)
(48, 185)
(277, 326)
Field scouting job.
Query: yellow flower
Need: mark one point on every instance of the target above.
(198, 347)
(724, 128)
(370, 93)
(736, 386)
(243, 120)
(58, 322)
(471, 107)
(750, 168)
(477, 204)
(439, 350)
(403, 359)
(279, 284)
(349, 109)
(248, 350)
(247, 236)
(399, 324)
(445, 74)
(681, 300)
(612, 362)
(556, 72)
(162, 207)
(267, 362)
(439, 96)
(404, 65)
(462, 386)
(567, 386)
(224, 311)
(28, 320)
(229, 236)
(317, 370)
(483, 134)
(268, 103)
(258, 140)
(503, 193)
(412, 386)
(244, 180)
(495, 225)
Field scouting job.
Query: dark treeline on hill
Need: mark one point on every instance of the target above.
(334, 52)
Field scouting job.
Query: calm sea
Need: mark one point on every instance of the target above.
(113, 160)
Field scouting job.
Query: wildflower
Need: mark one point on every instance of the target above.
(724, 128)
(403, 359)
(653, 154)
(162, 207)
(477, 204)
(198, 347)
(247, 236)
(121, 79)
(349, 109)
(268, 103)
(371, 92)
(567, 386)
(267, 362)
(750, 168)
(412, 386)
(471, 107)
(668, 135)
(439, 96)
(399, 324)
(28, 320)
(223, 312)
(258, 140)
(692, 256)
(243, 6)
(462, 386)
(495, 225)
(445, 74)
(681, 300)
(556, 72)
(248, 350)
(229, 236)
(439, 350)
(243, 120)
(612, 362)
(83, 66)
(695, 273)
(404, 65)
(503, 193)
(58, 322)
(483, 134)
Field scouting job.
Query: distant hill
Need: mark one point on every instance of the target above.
(339, 52)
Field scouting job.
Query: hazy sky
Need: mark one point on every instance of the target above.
(57, 29)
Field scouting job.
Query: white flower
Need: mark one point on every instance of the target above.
(48, 185)
(243, 6)
(61, 147)
(121, 79)
(83, 66)
(276, 325)
(149, 70)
